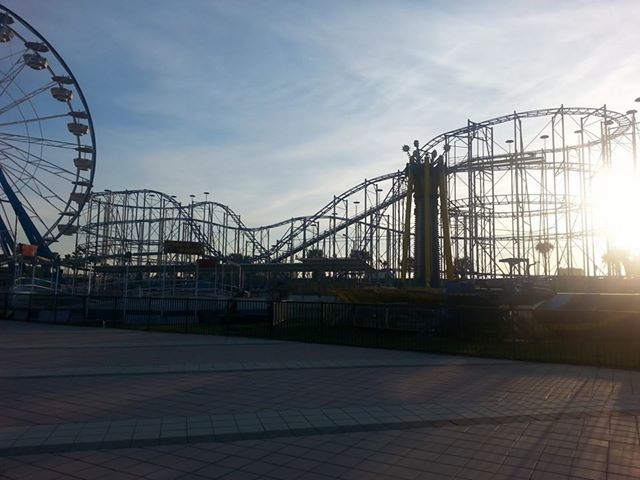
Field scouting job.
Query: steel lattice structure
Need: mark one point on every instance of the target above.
(140, 221)
(515, 183)
(522, 181)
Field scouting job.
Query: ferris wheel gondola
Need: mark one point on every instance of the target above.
(47, 141)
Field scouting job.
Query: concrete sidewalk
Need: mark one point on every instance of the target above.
(93, 403)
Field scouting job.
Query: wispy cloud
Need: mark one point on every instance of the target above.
(276, 106)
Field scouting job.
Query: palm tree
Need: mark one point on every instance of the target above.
(315, 253)
(462, 266)
(361, 254)
(544, 248)
(614, 258)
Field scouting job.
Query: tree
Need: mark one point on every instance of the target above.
(238, 258)
(361, 254)
(614, 258)
(315, 253)
(544, 249)
(462, 266)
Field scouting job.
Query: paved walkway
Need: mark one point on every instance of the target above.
(92, 403)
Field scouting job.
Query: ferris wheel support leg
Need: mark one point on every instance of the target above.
(29, 228)
(6, 241)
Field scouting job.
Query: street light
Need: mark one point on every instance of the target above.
(509, 142)
(544, 141)
(377, 220)
(346, 227)
(357, 240)
(634, 147)
(191, 216)
(126, 258)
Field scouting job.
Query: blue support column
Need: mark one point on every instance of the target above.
(29, 228)
(6, 240)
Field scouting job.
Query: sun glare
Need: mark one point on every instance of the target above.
(614, 198)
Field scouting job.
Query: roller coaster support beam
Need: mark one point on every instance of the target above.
(444, 219)
(426, 174)
(428, 243)
(406, 237)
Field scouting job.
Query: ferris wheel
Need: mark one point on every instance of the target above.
(47, 142)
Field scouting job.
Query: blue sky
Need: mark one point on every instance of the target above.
(274, 106)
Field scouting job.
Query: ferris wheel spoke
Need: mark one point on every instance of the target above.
(39, 161)
(44, 166)
(32, 120)
(16, 53)
(51, 193)
(10, 77)
(47, 142)
(26, 202)
(22, 176)
(15, 66)
(19, 171)
(27, 97)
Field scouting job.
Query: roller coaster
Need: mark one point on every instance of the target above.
(530, 193)
(514, 199)
(141, 221)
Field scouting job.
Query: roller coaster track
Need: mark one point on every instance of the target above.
(622, 122)
(277, 255)
(184, 216)
(307, 232)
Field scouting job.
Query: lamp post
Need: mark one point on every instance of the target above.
(191, 215)
(632, 114)
(388, 241)
(357, 234)
(607, 140)
(317, 225)
(509, 143)
(515, 221)
(346, 228)
(543, 186)
(377, 223)
(333, 237)
(127, 259)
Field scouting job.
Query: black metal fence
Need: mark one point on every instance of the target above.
(179, 314)
(608, 338)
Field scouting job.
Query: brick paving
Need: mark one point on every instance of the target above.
(92, 403)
